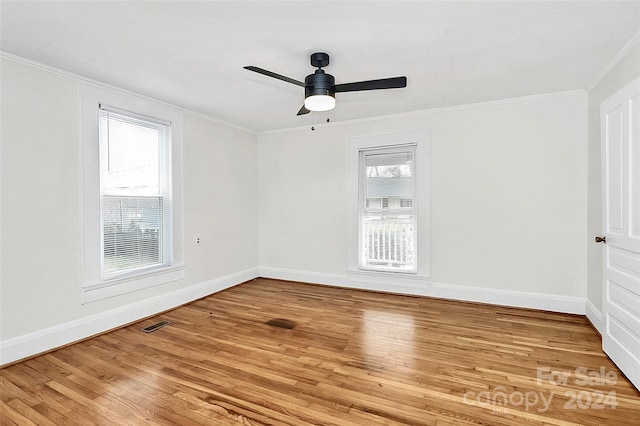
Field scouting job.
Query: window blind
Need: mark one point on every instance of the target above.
(135, 192)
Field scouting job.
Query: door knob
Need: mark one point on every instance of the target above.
(601, 239)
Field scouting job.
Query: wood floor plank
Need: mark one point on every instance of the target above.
(351, 358)
(32, 414)
(10, 416)
(13, 386)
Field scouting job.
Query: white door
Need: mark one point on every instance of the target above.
(620, 123)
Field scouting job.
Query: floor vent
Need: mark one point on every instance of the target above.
(155, 326)
(282, 323)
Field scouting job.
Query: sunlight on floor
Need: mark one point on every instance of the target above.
(389, 338)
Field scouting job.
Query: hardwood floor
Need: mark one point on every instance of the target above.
(352, 358)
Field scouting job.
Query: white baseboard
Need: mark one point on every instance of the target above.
(519, 299)
(62, 334)
(356, 281)
(594, 315)
(302, 276)
(542, 301)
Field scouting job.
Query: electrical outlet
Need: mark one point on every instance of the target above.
(198, 241)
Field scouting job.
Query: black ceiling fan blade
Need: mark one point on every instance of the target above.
(274, 75)
(303, 111)
(383, 83)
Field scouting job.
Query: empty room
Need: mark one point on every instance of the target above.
(319, 212)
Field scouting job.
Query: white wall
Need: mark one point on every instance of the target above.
(508, 197)
(627, 69)
(40, 222)
(221, 200)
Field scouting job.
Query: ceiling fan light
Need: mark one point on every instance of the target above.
(320, 103)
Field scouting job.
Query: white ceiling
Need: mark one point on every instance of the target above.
(191, 54)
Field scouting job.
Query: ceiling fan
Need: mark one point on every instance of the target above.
(320, 88)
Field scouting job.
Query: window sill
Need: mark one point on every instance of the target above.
(115, 287)
(405, 279)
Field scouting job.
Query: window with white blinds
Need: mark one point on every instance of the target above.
(135, 192)
(132, 218)
(387, 215)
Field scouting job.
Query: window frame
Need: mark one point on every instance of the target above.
(355, 181)
(95, 286)
(364, 208)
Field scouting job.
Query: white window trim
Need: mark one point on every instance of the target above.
(420, 278)
(362, 206)
(94, 287)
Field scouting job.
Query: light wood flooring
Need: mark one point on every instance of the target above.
(353, 358)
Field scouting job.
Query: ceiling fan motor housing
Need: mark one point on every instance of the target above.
(319, 83)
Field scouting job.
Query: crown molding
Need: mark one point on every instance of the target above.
(84, 79)
(604, 71)
(438, 110)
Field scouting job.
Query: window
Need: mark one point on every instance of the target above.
(406, 202)
(131, 192)
(387, 234)
(135, 192)
(388, 179)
